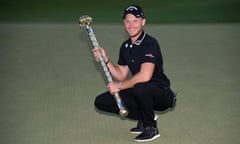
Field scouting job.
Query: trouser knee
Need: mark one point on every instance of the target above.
(98, 103)
(139, 89)
(105, 102)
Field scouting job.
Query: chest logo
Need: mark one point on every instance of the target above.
(149, 55)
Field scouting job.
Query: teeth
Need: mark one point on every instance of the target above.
(132, 30)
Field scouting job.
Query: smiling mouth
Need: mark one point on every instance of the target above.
(131, 30)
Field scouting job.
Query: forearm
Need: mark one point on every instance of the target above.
(116, 71)
(115, 87)
(138, 78)
(143, 76)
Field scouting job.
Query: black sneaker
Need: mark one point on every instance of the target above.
(138, 129)
(148, 134)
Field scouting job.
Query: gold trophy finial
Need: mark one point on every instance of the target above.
(85, 21)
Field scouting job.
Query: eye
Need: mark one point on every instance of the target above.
(126, 21)
(135, 21)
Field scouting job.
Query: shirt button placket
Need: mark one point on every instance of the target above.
(131, 46)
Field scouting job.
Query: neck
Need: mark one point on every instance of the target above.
(135, 37)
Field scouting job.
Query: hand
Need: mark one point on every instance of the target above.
(113, 88)
(99, 52)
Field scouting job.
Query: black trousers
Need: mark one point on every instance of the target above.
(141, 101)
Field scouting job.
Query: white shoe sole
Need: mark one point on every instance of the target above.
(148, 140)
(135, 132)
(155, 117)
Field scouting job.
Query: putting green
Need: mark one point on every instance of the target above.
(49, 81)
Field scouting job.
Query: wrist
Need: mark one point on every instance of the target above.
(107, 61)
(119, 85)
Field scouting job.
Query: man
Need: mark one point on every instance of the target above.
(148, 89)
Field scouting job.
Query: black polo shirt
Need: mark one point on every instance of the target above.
(145, 49)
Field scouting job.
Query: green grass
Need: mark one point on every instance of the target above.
(49, 81)
(174, 11)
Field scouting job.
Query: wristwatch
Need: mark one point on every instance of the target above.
(107, 61)
(119, 85)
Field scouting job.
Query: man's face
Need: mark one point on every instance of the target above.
(133, 25)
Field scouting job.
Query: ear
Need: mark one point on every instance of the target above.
(143, 22)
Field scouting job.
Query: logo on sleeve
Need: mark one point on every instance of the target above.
(149, 55)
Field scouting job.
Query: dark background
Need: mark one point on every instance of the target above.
(157, 11)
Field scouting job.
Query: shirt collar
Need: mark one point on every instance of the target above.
(140, 38)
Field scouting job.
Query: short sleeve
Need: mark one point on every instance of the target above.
(150, 52)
